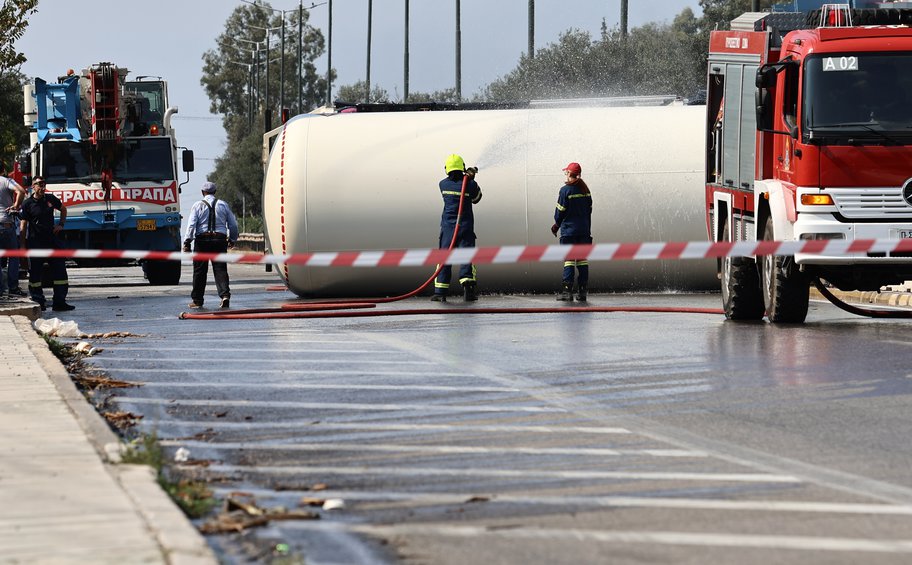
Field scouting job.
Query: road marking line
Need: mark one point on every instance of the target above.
(433, 498)
(378, 426)
(300, 372)
(508, 473)
(444, 449)
(743, 541)
(267, 360)
(260, 351)
(334, 386)
(338, 405)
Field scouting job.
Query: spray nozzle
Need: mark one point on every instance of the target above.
(472, 170)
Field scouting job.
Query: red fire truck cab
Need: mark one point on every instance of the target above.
(809, 137)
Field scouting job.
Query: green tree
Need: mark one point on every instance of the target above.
(13, 21)
(238, 172)
(230, 82)
(14, 136)
(722, 12)
(355, 93)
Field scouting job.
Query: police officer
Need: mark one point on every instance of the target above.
(573, 217)
(451, 189)
(39, 231)
(214, 228)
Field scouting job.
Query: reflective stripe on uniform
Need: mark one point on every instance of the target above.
(561, 208)
(450, 192)
(579, 196)
(58, 282)
(470, 279)
(441, 285)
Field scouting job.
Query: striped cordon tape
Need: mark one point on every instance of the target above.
(504, 254)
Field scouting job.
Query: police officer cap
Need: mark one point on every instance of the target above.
(209, 187)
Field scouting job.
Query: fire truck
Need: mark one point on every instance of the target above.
(106, 148)
(809, 137)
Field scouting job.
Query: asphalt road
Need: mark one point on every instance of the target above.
(533, 438)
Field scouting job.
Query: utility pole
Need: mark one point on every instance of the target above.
(329, 56)
(267, 118)
(405, 71)
(624, 19)
(370, 11)
(282, 69)
(458, 53)
(531, 28)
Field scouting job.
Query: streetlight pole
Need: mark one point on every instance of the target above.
(370, 10)
(458, 53)
(405, 72)
(531, 28)
(329, 57)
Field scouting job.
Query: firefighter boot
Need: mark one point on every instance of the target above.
(471, 292)
(566, 294)
(581, 293)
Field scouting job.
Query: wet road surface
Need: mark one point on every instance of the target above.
(539, 438)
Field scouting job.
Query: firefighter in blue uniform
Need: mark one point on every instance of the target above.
(450, 189)
(573, 217)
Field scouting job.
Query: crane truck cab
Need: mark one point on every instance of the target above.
(809, 137)
(107, 150)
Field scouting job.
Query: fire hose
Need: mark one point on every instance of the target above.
(331, 309)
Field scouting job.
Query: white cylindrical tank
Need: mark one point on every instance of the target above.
(369, 181)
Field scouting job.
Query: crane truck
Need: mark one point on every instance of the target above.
(106, 148)
(809, 137)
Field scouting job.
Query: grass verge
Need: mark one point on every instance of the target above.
(193, 497)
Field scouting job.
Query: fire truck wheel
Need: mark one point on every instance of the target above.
(741, 297)
(786, 290)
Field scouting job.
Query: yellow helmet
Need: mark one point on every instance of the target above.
(454, 163)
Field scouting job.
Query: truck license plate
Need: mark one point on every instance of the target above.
(149, 225)
(902, 234)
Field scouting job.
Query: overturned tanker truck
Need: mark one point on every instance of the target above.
(366, 179)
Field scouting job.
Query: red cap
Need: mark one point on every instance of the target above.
(574, 168)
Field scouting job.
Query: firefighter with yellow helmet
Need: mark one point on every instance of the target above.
(451, 191)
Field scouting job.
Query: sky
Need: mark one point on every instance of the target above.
(170, 39)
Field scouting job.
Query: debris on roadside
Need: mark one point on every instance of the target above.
(334, 504)
(181, 455)
(86, 349)
(55, 327)
(477, 499)
(239, 514)
(122, 420)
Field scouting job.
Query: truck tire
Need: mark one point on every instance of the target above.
(163, 273)
(786, 290)
(741, 296)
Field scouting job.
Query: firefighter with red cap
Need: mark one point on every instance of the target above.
(451, 191)
(573, 217)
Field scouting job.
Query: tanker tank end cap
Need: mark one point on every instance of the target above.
(209, 187)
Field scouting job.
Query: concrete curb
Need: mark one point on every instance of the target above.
(180, 541)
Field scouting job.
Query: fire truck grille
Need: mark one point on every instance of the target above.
(863, 203)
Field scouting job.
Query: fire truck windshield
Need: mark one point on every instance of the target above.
(144, 159)
(861, 96)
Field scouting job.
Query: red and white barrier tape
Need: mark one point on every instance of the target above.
(505, 254)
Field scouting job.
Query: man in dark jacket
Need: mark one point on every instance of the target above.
(38, 230)
(451, 191)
